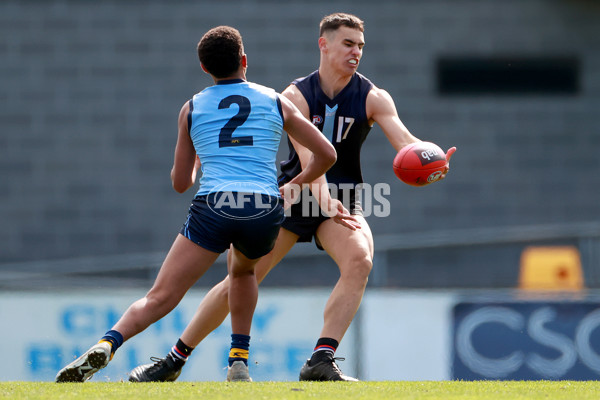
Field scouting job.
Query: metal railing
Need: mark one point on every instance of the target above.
(141, 267)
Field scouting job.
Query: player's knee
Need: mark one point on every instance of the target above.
(366, 265)
(359, 268)
(241, 273)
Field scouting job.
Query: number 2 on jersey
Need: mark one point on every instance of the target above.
(226, 138)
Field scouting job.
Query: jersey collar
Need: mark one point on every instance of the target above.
(230, 81)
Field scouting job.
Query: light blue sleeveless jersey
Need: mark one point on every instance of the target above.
(236, 127)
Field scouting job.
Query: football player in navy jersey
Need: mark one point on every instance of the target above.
(344, 105)
(232, 132)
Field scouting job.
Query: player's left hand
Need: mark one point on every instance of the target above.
(449, 154)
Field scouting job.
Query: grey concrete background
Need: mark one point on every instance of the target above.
(90, 93)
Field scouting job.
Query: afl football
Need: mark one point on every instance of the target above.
(420, 164)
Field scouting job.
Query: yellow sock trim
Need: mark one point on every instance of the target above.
(238, 353)
(112, 353)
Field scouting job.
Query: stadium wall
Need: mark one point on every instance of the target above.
(90, 93)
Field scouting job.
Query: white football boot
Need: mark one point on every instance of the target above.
(238, 372)
(82, 369)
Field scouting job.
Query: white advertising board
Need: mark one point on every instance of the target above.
(406, 335)
(43, 332)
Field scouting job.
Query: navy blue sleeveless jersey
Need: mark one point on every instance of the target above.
(343, 120)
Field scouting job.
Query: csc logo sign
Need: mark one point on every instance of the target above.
(527, 341)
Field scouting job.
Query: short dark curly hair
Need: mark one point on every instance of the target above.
(220, 51)
(333, 22)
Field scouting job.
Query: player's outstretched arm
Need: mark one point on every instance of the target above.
(382, 110)
(186, 163)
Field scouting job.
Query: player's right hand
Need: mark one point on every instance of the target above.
(290, 193)
(340, 215)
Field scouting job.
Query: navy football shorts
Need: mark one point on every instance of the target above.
(301, 221)
(249, 221)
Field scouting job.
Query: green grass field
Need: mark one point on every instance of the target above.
(547, 390)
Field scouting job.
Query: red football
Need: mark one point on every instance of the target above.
(420, 164)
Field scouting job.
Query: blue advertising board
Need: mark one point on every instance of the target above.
(526, 341)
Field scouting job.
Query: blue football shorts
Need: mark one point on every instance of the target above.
(249, 221)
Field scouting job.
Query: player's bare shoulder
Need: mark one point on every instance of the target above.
(379, 101)
(183, 113)
(295, 96)
(378, 98)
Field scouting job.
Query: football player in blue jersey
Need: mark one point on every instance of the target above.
(231, 131)
(344, 105)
